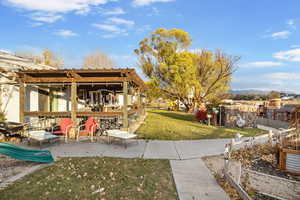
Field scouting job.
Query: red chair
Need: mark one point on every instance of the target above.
(65, 127)
(90, 128)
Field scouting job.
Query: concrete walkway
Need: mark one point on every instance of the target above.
(153, 149)
(194, 181)
(192, 178)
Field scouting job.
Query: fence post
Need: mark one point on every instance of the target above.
(231, 145)
(270, 136)
(226, 158)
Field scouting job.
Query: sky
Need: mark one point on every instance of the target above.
(264, 33)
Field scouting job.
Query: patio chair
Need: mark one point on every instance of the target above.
(65, 127)
(91, 126)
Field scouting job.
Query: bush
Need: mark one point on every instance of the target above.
(201, 115)
(2, 117)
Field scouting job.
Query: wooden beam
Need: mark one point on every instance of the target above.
(98, 114)
(47, 114)
(79, 80)
(125, 105)
(21, 102)
(61, 71)
(74, 107)
(73, 74)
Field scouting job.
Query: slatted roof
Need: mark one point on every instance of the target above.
(81, 76)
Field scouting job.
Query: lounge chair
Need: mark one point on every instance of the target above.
(65, 127)
(90, 128)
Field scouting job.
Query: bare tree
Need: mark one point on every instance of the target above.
(98, 60)
(46, 57)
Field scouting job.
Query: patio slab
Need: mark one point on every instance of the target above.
(190, 149)
(194, 181)
(135, 149)
(156, 149)
(78, 150)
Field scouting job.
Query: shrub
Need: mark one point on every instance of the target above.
(201, 115)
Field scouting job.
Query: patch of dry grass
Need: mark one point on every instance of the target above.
(96, 178)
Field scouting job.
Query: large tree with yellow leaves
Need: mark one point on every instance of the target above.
(190, 77)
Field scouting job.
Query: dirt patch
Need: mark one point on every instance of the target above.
(261, 158)
(216, 165)
(259, 175)
(10, 167)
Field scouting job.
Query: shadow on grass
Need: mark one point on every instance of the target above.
(178, 116)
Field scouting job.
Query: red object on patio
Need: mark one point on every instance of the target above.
(90, 127)
(65, 127)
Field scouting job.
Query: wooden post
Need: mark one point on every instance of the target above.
(21, 102)
(74, 107)
(139, 103)
(125, 105)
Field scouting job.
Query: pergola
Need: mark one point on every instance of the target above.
(121, 80)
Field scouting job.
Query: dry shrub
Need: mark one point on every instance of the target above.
(248, 155)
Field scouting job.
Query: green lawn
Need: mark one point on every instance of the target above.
(96, 178)
(170, 125)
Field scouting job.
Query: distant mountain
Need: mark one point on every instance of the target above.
(249, 91)
(256, 91)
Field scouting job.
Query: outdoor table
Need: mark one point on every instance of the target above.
(123, 135)
(41, 136)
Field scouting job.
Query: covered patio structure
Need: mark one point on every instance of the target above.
(81, 93)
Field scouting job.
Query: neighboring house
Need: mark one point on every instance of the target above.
(287, 112)
(9, 87)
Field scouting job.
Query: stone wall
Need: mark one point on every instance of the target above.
(272, 123)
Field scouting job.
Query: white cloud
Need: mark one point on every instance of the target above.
(144, 28)
(281, 35)
(65, 33)
(45, 17)
(107, 27)
(115, 11)
(262, 64)
(291, 23)
(49, 11)
(290, 55)
(108, 35)
(117, 20)
(294, 46)
(282, 75)
(56, 5)
(155, 12)
(148, 2)
(35, 24)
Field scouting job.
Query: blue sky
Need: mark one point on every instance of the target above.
(265, 33)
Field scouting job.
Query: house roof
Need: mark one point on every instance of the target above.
(12, 63)
(288, 108)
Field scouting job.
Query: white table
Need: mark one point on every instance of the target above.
(123, 135)
(41, 136)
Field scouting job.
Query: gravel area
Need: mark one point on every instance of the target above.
(262, 158)
(259, 196)
(267, 167)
